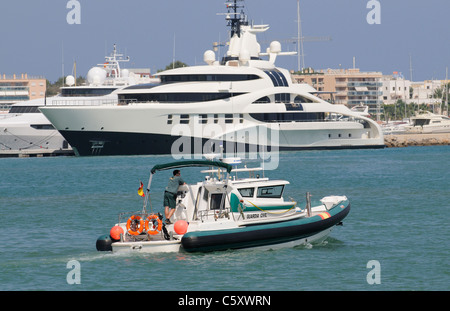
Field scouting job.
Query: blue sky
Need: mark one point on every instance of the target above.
(35, 36)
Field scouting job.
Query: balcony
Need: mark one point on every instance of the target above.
(366, 84)
(365, 93)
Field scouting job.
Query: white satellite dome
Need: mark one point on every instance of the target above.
(70, 80)
(125, 73)
(96, 75)
(275, 47)
(209, 57)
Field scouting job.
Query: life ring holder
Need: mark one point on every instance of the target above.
(149, 225)
(140, 228)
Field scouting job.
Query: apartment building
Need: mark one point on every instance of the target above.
(395, 88)
(349, 87)
(18, 88)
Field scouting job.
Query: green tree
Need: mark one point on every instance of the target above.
(400, 111)
(173, 65)
(442, 97)
(55, 88)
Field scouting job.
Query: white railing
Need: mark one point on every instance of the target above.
(84, 102)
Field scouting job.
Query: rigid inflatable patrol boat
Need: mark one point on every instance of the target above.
(225, 211)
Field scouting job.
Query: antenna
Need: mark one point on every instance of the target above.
(301, 63)
(173, 53)
(112, 62)
(446, 87)
(410, 68)
(235, 19)
(62, 61)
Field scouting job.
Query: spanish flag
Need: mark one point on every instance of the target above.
(141, 190)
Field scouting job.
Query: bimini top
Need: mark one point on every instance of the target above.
(190, 163)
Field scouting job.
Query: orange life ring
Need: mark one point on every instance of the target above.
(139, 229)
(150, 228)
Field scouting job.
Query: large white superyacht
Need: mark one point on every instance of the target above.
(242, 103)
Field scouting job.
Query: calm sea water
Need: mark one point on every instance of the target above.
(53, 210)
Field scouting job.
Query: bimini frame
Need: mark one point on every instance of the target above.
(179, 164)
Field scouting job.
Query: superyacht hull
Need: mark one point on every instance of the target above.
(86, 143)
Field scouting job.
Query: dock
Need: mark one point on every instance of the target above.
(407, 140)
(37, 153)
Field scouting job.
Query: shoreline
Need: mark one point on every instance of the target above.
(406, 140)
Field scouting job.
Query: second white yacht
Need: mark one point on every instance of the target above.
(24, 130)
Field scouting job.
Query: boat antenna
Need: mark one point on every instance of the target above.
(234, 18)
(112, 62)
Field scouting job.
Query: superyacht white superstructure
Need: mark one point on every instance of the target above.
(242, 103)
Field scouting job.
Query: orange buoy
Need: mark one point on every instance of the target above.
(150, 227)
(132, 230)
(180, 226)
(115, 232)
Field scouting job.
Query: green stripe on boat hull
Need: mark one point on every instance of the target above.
(263, 234)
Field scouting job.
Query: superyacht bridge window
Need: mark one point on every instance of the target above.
(270, 192)
(207, 77)
(74, 92)
(24, 109)
(300, 99)
(262, 100)
(282, 98)
(294, 107)
(289, 116)
(174, 97)
(278, 79)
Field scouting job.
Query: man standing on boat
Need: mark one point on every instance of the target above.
(170, 194)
